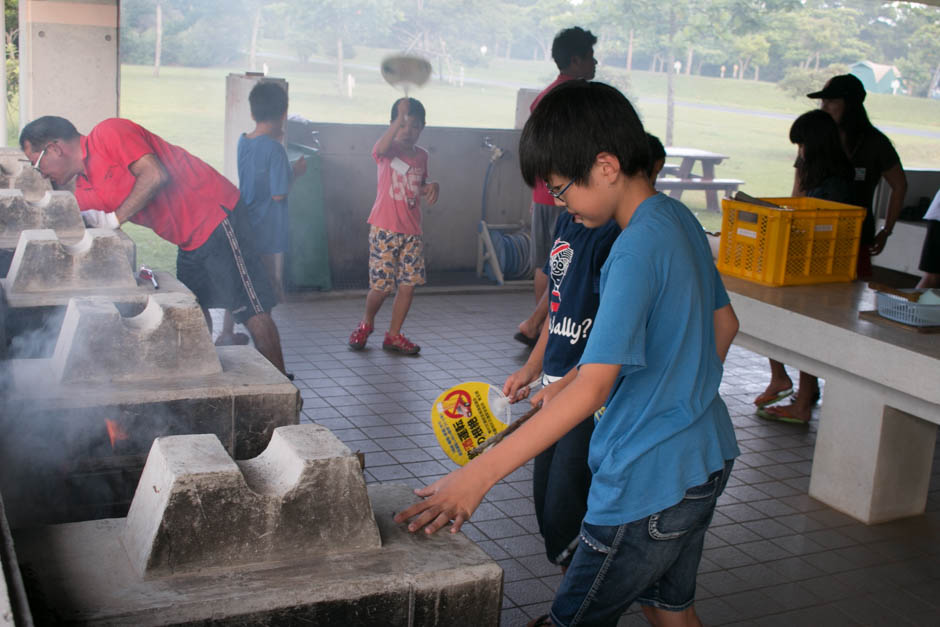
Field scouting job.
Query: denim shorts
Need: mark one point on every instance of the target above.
(561, 480)
(653, 560)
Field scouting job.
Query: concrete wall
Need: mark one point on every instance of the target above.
(458, 161)
(69, 60)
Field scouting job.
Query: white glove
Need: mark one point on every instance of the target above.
(97, 219)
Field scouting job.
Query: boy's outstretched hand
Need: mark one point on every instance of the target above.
(430, 192)
(451, 498)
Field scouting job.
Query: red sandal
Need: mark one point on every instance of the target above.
(400, 344)
(358, 338)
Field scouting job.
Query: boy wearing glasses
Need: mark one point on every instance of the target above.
(662, 451)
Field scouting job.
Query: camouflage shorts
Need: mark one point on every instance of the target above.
(394, 259)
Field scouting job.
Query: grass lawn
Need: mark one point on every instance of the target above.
(186, 107)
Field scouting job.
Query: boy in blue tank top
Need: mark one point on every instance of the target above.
(662, 451)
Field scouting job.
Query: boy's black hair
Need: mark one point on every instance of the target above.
(415, 110)
(823, 156)
(574, 123)
(572, 42)
(268, 102)
(47, 129)
(657, 152)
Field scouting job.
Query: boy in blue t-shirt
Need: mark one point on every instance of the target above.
(662, 451)
(264, 178)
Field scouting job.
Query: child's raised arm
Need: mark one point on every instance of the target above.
(385, 142)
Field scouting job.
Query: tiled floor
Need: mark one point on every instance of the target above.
(773, 555)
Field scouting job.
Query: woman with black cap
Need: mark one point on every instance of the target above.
(872, 156)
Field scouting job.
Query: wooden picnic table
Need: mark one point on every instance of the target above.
(677, 178)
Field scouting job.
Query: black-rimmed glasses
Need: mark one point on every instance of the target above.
(557, 195)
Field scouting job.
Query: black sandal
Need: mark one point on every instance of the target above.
(542, 621)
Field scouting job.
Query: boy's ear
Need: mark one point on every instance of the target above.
(608, 166)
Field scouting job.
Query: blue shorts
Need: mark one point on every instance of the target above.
(653, 560)
(561, 480)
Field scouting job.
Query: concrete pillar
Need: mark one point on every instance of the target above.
(238, 115)
(69, 62)
(871, 461)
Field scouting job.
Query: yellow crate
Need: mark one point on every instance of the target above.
(807, 241)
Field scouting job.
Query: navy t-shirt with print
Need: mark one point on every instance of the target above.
(574, 270)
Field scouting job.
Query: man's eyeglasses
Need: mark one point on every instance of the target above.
(554, 194)
(39, 158)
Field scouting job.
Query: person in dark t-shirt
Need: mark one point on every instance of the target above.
(561, 478)
(872, 156)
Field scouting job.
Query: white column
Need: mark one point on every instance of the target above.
(871, 461)
(69, 62)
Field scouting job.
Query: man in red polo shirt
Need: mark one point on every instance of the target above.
(122, 171)
(573, 52)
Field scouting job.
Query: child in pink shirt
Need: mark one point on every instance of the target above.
(396, 253)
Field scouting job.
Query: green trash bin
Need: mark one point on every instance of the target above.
(307, 264)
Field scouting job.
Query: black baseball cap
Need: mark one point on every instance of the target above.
(845, 86)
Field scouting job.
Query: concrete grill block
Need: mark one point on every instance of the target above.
(318, 483)
(168, 339)
(81, 574)
(54, 210)
(16, 172)
(196, 509)
(43, 263)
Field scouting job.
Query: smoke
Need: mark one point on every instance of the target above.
(57, 460)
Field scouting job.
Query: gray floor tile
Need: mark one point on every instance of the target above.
(528, 592)
(774, 556)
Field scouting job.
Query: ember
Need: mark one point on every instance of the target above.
(115, 432)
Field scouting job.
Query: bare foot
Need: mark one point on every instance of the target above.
(777, 390)
(789, 413)
(528, 329)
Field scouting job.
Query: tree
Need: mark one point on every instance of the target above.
(622, 20)
(186, 32)
(921, 66)
(335, 25)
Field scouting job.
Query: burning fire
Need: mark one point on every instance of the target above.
(115, 432)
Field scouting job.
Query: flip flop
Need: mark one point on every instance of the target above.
(525, 339)
(769, 398)
(780, 414)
